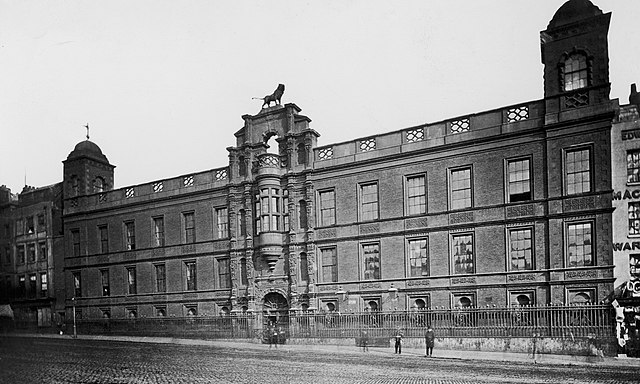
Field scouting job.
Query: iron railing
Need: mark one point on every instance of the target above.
(564, 322)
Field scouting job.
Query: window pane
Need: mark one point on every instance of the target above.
(416, 194)
(371, 259)
(461, 188)
(578, 171)
(463, 257)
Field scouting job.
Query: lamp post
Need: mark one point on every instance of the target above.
(75, 334)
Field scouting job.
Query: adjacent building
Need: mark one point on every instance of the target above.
(31, 254)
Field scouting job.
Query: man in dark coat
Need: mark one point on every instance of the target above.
(429, 339)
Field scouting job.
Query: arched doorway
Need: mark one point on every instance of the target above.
(275, 315)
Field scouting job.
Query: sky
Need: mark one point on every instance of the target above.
(163, 84)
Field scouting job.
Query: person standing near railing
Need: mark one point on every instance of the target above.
(429, 340)
(398, 338)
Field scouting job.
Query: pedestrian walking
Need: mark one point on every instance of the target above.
(398, 337)
(364, 341)
(429, 340)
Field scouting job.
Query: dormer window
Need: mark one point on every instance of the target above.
(575, 72)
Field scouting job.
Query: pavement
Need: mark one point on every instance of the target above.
(342, 349)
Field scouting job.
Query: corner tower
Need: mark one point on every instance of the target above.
(86, 171)
(575, 57)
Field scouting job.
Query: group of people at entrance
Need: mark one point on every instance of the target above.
(274, 334)
(429, 341)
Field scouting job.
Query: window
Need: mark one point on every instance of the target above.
(103, 232)
(285, 210)
(189, 228)
(98, 185)
(161, 311)
(41, 223)
(31, 225)
(21, 254)
(161, 278)
(75, 241)
(243, 272)
(581, 296)
(372, 305)
(242, 223)
(192, 310)
(633, 166)
(132, 285)
(132, 313)
(222, 223)
(579, 244)
(22, 286)
(302, 154)
(416, 195)
(19, 227)
(302, 214)
(369, 202)
(575, 72)
(462, 252)
(521, 249)
(75, 188)
(304, 268)
(7, 255)
(104, 275)
(521, 299)
(42, 250)
(371, 259)
(33, 283)
(44, 284)
(519, 180)
(158, 231)
(77, 284)
(191, 275)
(460, 188)
(418, 258)
(463, 300)
(327, 208)
(130, 235)
(224, 275)
(31, 252)
(329, 265)
(578, 171)
(634, 218)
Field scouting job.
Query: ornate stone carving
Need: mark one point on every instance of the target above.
(463, 280)
(421, 222)
(521, 277)
(520, 210)
(462, 217)
(580, 203)
(329, 233)
(370, 228)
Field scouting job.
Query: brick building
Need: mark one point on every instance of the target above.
(505, 207)
(31, 254)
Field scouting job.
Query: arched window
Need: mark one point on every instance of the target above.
(575, 74)
(272, 144)
(302, 154)
(304, 268)
(242, 166)
(243, 272)
(98, 185)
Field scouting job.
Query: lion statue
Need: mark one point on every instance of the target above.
(274, 97)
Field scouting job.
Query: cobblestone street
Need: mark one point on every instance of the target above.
(34, 360)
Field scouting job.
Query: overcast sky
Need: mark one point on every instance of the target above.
(163, 84)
